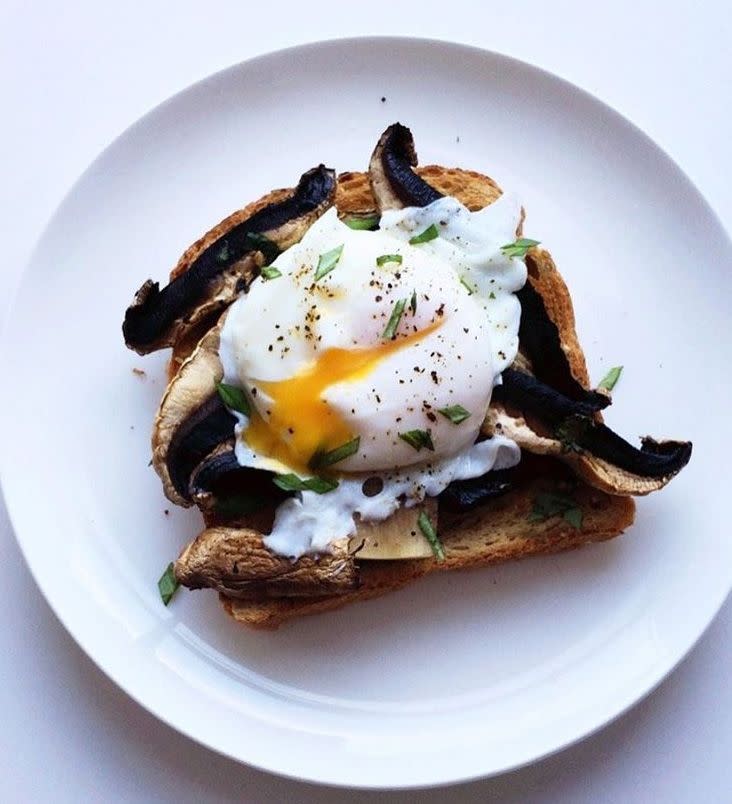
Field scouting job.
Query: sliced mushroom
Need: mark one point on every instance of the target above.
(396, 537)
(191, 420)
(593, 450)
(225, 265)
(236, 562)
(464, 495)
(541, 343)
(393, 180)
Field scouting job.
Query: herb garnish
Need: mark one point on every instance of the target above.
(429, 532)
(609, 380)
(571, 430)
(369, 222)
(430, 233)
(384, 258)
(237, 505)
(321, 458)
(413, 303)
(519, 247)
(547, 505)
(320, 485)
(260, 242)
(223, 254)
(168, 584)
(418, 439)
(233, 398)
(328, 261)
(465, 284)
(455, 413)
(394, 319)
(270, 272)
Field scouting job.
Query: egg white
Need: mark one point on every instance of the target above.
(464, 290)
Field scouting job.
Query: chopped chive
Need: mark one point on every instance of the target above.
(168, 584)
(237, 505)
(418, 439)
(233, 398)
(320, 485)
(548, 505)
(224, 252)
(455, 413)
(384, 258)
(464, 283)
(491, 295)
(368, 222)
(328, 261)
(270, 272)
(394, 319)
(610, 379)
(260, 242)
(574, 517)
(413, 303)
(519, 247)
(430, 233)
(321, 459)
(429, 532)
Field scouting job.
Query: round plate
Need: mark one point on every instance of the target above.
(458, 676)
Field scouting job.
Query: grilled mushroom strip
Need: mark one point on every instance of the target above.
(236, 562)
(191, 420)
(394, 183)
(464, 495)
(224, 265)
(593, 450)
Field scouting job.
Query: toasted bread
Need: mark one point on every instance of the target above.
(501, 529)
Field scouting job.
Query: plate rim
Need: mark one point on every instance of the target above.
(15, 514)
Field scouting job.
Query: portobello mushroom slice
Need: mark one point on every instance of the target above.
(396, 537)
(393, 180)
(236, 562)
(464, 495)
(223, 264)
(191, 420)
(543, 421)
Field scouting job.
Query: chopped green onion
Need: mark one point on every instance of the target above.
(418, 439)
(223, 254)
(430, 233)
(491, 295)
(237, 505)
(548, 505)
(233, 398)
(519, 247)
(168, 584)
(336, 455)
(384, 258)
(464, 283)
(455, 413)
(610, 379)
(429, 532)
(320, 485)
(394, 319)
(328, 262)
(413, 303)
(259, 242)
(270, 272)
(368, 222)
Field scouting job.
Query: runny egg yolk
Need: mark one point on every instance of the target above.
(299, 421)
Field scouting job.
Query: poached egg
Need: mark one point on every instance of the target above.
(373, 354)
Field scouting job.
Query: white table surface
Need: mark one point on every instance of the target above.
(74, 75)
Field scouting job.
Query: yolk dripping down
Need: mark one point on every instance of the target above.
(300, 422)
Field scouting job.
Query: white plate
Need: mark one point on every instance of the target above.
(458, 676)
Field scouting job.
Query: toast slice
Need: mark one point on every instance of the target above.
(499, 530)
